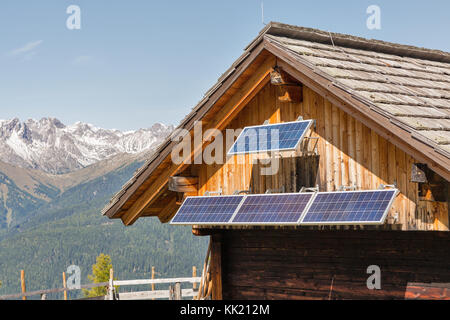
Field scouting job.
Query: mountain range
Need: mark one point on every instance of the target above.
(51, 146)
(54, 181)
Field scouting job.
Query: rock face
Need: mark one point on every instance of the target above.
(53, 147)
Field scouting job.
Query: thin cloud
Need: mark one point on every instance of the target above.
(82, 59)
(29, 47)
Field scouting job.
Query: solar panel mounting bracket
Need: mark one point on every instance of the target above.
(218, 192)
(345, 188)
(237, 192)
(309, 189)
(282, 189)
(395, 216)
(304, 146)
(314, 150)
(384, 186)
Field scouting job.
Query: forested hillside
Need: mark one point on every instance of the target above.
(70, 230)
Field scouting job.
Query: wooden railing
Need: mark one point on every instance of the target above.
(174, 292)
(47, 291)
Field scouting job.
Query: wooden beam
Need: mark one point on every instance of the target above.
(183, 184)
(196, 231)
(361, 112)
(163, 200)
(251, 87)
(157, 281)
(166, 214)
(158, 294)
(216, 266)
(256, 82)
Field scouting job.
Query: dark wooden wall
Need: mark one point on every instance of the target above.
(304, 264)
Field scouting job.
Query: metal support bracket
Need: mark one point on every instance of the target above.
(314, 152)
(384, 186)
(248, 191)
(309, 189)
(208, 193)
(279, 190)
(346, 188)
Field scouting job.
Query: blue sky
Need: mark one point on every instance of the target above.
(137, 62)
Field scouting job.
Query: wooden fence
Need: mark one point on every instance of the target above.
(174, 292)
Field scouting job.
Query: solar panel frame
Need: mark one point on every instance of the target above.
(206, 223)
(349, 222)
(272, 223)
(300, 221)
(230, 153)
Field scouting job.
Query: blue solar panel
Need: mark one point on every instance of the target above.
(207, 210)
(271, 137)
(350, 207)
(285, 208)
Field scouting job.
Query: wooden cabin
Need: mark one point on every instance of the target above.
(382, 117)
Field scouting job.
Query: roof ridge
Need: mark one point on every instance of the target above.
(350, 41)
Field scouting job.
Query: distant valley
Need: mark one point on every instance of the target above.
(22, 190)
(50, 207)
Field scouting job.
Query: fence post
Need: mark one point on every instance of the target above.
(22, 281)
(178, 293)
(194, 274)
(175, 292)
(64, 285)
(153, 277)
(111, 284)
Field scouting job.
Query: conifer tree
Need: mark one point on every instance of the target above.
(100, 273)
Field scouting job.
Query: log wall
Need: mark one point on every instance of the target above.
(290, 264)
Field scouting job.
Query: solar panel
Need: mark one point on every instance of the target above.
(347, 207)
(350, 207)
(270, 137)
(207, 210)
(285, 208)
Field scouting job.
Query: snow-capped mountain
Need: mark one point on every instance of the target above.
(53, 147)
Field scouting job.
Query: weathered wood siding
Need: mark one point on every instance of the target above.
(349, 154)
(289, 264)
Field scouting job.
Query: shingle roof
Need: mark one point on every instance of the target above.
(415, 92)
(408, 85)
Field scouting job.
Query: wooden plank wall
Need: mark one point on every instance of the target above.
(350, 154)
(288, 264)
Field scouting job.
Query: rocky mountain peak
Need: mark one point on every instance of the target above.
(51, 146)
